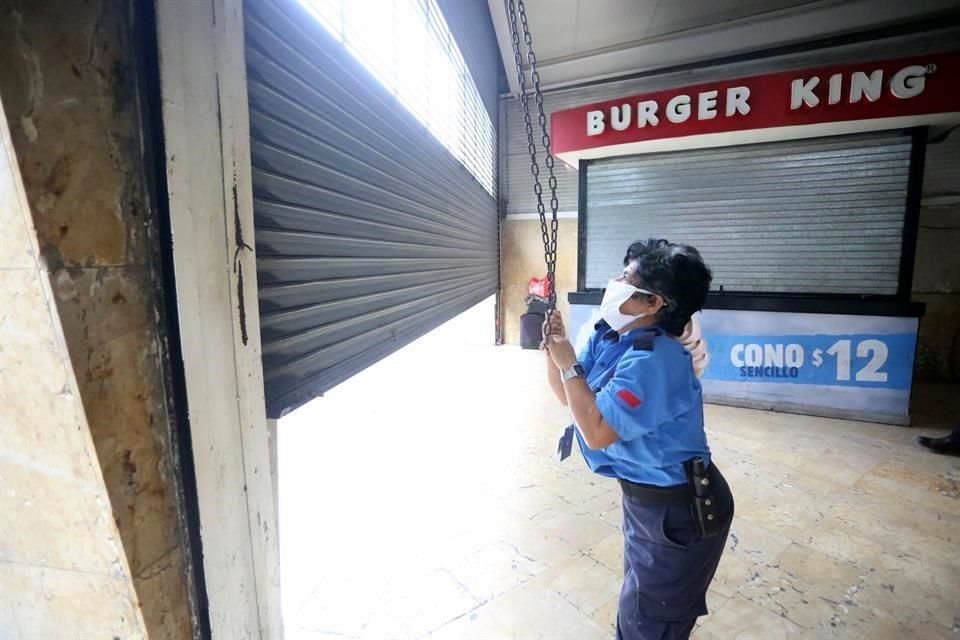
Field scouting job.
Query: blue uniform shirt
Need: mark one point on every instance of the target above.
(647, 391)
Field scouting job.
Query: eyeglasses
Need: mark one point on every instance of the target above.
(639, 292)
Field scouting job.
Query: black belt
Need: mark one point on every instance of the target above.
(700, 494)
(652, 494)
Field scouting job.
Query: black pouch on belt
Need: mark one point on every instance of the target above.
(704, 505)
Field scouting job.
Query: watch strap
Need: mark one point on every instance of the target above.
(576, 371)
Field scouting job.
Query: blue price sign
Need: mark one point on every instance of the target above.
(863, 360)
(849, 366)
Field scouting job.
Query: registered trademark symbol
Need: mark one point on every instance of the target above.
(931, 68)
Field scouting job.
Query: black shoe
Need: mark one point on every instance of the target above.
(948, 444)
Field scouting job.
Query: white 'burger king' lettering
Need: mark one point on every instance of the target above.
(678, 109)
(811, 92)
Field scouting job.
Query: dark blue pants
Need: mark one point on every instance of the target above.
(667, 567)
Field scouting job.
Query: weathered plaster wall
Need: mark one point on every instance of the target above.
(522, 259)
(69, 85)
(63, 573)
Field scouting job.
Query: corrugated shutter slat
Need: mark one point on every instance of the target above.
(813, 216)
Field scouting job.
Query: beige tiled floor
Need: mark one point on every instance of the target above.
(420, 500)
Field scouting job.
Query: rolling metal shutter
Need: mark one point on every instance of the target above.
(813, 216)
(369, 233)
(515, 172)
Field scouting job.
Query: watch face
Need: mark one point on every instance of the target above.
(579, 369)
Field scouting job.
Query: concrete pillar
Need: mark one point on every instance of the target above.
(274, 472)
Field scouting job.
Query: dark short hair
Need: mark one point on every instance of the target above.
(642, 247)
(675, 271)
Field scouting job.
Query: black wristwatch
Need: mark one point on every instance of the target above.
(576, 371)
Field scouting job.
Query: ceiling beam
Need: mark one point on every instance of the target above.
(790, 26)
(498, 13)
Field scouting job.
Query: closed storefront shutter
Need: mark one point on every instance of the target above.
(369, 232)
(820, 216)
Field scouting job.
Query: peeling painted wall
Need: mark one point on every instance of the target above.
(69, 86)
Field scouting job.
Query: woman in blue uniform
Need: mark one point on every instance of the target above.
(638, 410)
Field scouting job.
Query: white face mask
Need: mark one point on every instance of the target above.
(616, 294)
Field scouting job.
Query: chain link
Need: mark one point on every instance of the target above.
(548, 231)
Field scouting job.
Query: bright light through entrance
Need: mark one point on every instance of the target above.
(421, 500)
(408, 47)
(382, 481)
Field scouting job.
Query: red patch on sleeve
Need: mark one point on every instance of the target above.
(631, 400)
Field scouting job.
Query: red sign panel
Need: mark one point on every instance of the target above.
(916, 86)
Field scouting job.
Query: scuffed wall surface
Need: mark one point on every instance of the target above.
(522, 259)
(68, 83)
(63, 573)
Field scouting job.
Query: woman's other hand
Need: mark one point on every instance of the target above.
(693, 341)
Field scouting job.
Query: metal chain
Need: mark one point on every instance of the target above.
(547, 231)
